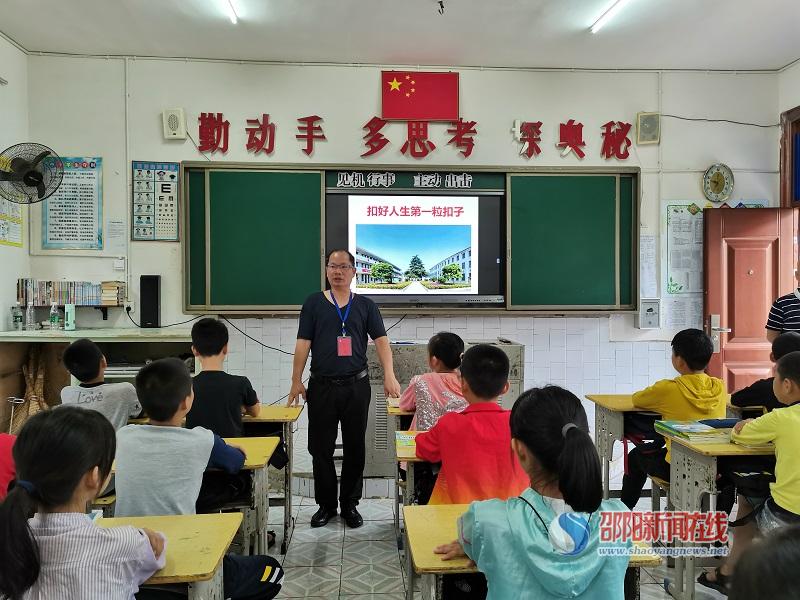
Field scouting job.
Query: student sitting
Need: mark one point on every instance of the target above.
(691, 396)
(160, 468)
(63, 459)
(117, 402)
(219, 398)
(545, 543)
(433, 394)
(473, 446)
(760, 393)
(782, 507)
(768, 568)
(6, 462)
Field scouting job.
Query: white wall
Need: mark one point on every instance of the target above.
(87, 117)
(14, 262)
(789, 88)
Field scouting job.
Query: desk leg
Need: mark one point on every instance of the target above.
(410, 497)
(261, 506)
(609, 427)
(397, 484)
(692, 475)
(411, 575)
(288, 472)
(212, 589)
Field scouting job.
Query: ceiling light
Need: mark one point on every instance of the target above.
(609, 14)
(231, 12)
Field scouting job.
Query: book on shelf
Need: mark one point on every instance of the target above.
(43, 292)
(405, 438)
(706, 431)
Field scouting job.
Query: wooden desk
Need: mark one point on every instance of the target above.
(195, 547)
(609, 427)
(404, 454)
(737, 412)
(258, 451)
(430, 526)
(286, 416)
(693, 473)
(393, 410)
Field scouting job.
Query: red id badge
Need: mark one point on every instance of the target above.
(344, 345)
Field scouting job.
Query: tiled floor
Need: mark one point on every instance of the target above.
(335, 562)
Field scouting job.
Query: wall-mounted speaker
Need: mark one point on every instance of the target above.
(648, 128)
(150, 300)
(174, 121)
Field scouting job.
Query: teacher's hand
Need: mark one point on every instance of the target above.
(391, 387)
(298, 389)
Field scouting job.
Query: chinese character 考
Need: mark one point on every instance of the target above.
(463, 132)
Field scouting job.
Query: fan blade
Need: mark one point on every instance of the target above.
(10, 176)
(41, 189)
(39, 158)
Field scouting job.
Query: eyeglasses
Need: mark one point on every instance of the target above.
(340, 267)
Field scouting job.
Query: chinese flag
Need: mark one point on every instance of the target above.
(419, 96)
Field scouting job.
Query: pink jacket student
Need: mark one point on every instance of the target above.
(434, 394)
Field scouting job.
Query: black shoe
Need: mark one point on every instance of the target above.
(351, 517)
(322, 516)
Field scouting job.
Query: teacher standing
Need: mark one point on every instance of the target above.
(334, 326)
(784, 314)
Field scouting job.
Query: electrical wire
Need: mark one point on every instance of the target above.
(722, 121)
(128, 312)
(189, 135)
(255, 340)
(397, 323)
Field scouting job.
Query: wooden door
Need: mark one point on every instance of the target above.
(749, 260)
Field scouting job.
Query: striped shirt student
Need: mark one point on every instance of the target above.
(784, 315)
(63, 459)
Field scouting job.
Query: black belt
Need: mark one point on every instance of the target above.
(340, 380)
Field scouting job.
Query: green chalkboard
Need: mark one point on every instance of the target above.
(253, 239)
(572, 241)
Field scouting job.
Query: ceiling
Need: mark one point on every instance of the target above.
(647, 34)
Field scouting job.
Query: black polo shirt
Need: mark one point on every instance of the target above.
(320, 323)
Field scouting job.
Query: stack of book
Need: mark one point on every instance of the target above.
(709, 431)
(112, 293)
(405, 438)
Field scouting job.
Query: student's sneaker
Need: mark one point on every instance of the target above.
(352, 517)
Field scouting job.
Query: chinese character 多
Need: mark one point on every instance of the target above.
(374, 140)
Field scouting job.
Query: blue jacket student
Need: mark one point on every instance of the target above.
(512, 547)
(545, 543)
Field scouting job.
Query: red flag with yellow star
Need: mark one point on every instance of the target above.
(419, 96)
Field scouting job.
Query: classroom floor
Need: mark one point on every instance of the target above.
(336, 562)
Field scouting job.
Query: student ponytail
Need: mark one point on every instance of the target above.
(54, 450)
(552, 424)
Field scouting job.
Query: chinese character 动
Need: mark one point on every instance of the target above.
(615, 140)
(260, 135)
(571, 138)
(213, 132)
(310, 131)
(530, 136)
(462, 133)
(374, 140)
(418, 144)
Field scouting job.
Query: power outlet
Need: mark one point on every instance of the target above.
(130, 306)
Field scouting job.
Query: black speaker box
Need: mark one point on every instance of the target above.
(150, 300)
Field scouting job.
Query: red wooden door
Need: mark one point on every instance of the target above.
(749, 260)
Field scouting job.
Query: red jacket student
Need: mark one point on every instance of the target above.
(474, 446)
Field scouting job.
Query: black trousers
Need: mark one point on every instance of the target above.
(642, 462)
(329, 405)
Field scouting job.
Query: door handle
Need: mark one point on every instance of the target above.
(721, 329)
(715, 329)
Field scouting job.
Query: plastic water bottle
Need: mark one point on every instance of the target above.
(53, 316)
(30, 317)
(17, 318)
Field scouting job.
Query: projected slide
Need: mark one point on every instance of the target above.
(414, 244)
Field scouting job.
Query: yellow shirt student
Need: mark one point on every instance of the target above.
(782, 427)
(686, 398)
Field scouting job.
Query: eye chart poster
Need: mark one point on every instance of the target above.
(72, 218)
(154, 202)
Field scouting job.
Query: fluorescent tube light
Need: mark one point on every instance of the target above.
(610, 13)
(232, 12)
